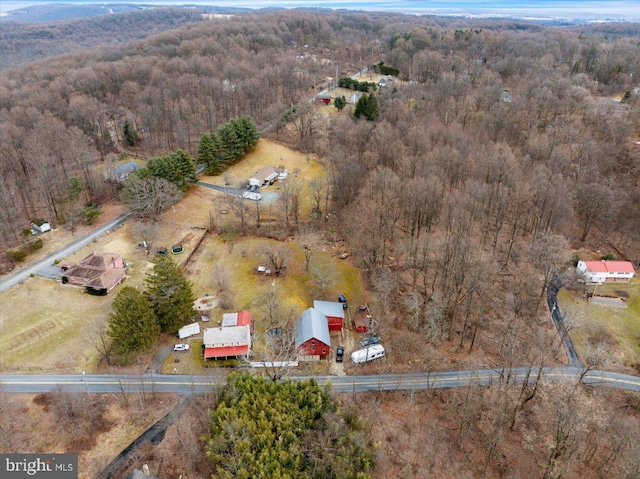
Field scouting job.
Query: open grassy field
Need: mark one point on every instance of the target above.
(618, 328)
(270, 153)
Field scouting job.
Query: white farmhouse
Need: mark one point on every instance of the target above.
(605, 271)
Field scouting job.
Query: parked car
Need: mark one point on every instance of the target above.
(181, 347)
(367, 341)
(343, 299)
(339, 354)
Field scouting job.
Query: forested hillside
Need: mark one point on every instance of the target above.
(515, 104)
(24, 42)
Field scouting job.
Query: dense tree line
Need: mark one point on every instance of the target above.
(228, 145)
(262, 428)
(177, 168)
(351, 84)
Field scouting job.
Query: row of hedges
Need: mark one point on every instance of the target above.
(352, 84)
(18, 255)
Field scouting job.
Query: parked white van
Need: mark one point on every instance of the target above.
(367, 354)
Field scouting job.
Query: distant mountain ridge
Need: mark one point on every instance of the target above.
(52, 12)
(24, 42)
(539, 11)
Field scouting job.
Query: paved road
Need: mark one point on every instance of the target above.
(21, 383)
(44, 267)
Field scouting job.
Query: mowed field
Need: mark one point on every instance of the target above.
(617, 328)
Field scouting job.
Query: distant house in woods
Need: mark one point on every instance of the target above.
(323, 99)
(353, 99)
(268, 175)
(120, 173)
(98, 273)
(231, 339)
(312, 335)
(605, 271)
(40, 226)
(333, 311)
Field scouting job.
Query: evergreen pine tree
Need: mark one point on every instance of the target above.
(170, 294)
(205, 154)
(340, 102)
(367, 106)
(361, 106)
(229, 144)
(372, 112)
(216, 165)
(175, 167)
(184, 164)
(250, 133)
(129, 134)
(132, 324)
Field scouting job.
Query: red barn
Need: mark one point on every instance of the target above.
(333, 311)
(312, 335)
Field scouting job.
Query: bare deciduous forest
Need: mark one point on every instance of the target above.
(500, 147)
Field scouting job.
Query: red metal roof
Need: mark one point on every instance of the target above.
(609, 266)
(244, 318)
(226, 351)
(596, 266)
